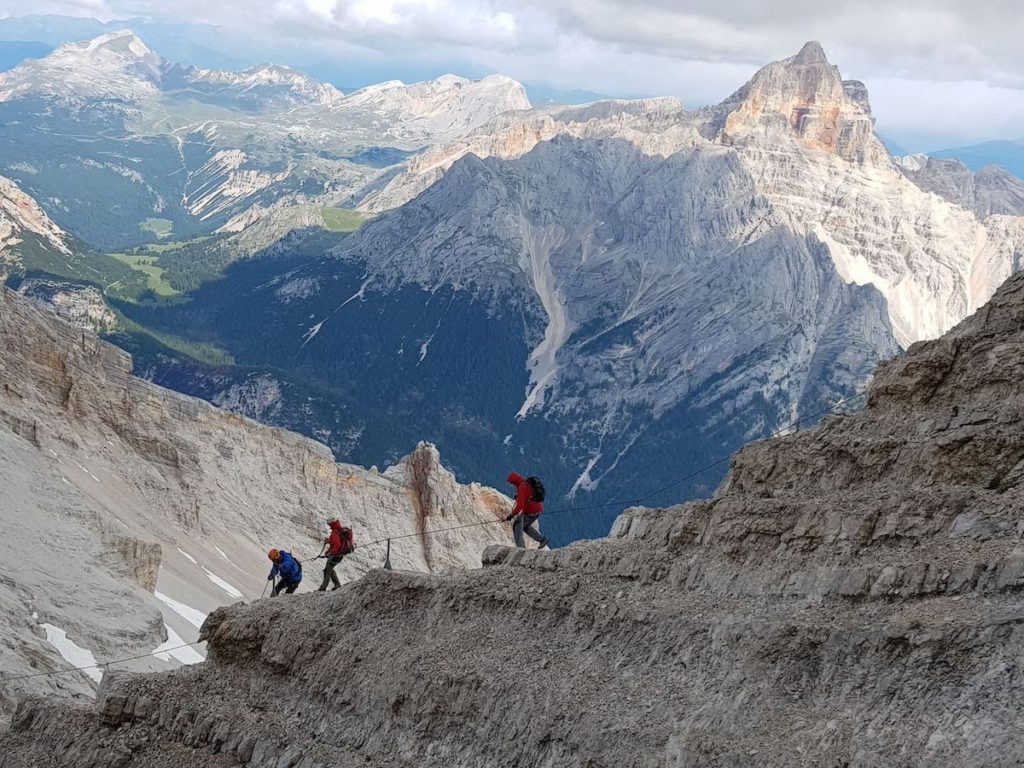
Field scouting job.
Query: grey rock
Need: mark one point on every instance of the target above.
(989, 191)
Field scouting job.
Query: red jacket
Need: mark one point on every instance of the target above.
(338, 544)
(524, 496)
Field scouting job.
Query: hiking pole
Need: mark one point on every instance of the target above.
(264, 592)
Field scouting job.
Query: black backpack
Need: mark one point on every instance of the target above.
(538, 489)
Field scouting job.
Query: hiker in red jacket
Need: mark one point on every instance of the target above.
(340, 543)
(529, 506)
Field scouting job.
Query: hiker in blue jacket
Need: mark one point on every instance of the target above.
(289, 569)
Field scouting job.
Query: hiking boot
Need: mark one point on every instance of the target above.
(542, 543)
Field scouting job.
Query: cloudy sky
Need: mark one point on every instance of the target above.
(940, 72)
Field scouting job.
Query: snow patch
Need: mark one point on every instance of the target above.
(187, 612)
(585, 481)
(169, 649)
(187, 556)
(73, 654)
(221, 583)
(309, 335)
(221, 551)
(424, 346)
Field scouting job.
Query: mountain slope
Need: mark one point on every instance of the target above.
(31, 243)
(849, 596)
(122, 499)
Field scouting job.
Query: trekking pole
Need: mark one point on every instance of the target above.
(264, 592)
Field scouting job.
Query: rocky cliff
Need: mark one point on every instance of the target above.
(129, 511)
(23, 223)
(806, 138)
(849, 596)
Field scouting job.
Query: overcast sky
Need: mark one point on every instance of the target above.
(939, 72)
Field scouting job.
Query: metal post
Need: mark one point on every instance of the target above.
(387, 557)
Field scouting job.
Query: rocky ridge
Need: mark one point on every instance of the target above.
(122, 499)
(21, 220)
(990, 190)
(806, 137)
(850, 595)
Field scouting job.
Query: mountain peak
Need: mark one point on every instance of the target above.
(811, 53)
(122, 41)
(115, 65)
(806, 97)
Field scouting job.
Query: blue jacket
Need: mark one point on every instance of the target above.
(288, 568)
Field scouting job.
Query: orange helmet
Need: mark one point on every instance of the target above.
(273, 554)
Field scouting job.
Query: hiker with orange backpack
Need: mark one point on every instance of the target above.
(340, 543)
(528, 508)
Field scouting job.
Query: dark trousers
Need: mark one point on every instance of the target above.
(284, 586)
(329, 574)
(528, 524)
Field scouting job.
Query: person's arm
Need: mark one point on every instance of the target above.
(273, 572)
(522, 496)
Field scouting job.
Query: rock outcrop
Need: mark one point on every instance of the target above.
(991, 190)
(24, 224)
(123, 501)
(804, 95)
(849, 596)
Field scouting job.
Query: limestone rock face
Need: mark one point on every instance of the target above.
(80, 305)
(129, 512)
(849, 596)
(21, 220)
(804, 95)
(990, 190)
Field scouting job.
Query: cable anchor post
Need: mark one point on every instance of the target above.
(387, 557)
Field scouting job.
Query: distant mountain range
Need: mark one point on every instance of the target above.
(1007, 154)
(140, 145)
(613, 295)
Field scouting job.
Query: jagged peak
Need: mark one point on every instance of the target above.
(812, 53)
(806, 96)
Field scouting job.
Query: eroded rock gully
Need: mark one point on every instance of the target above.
(850, 596)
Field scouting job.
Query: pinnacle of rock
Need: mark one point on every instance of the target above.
(811, 53)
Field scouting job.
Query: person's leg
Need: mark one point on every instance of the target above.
(517, 530)
(292, 586)
(328, 572)
(277, 588)
(532, 531)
